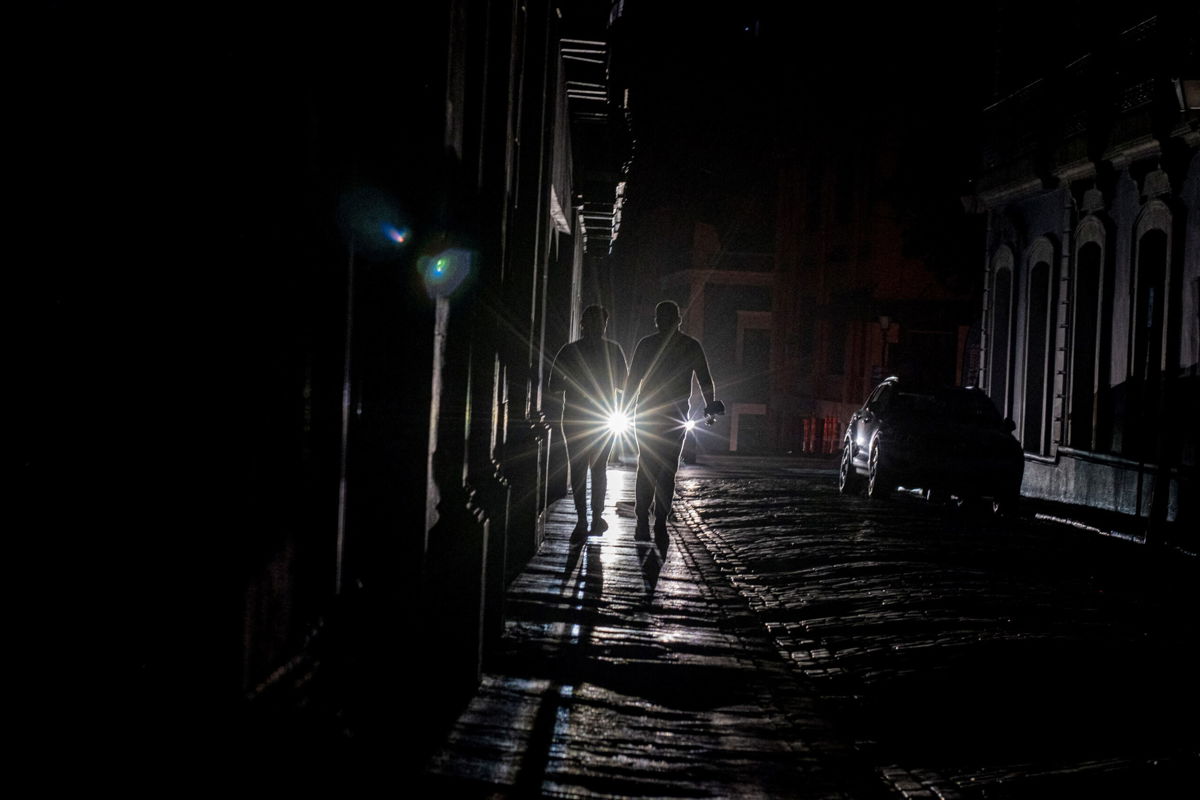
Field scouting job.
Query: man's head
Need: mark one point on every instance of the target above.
(666, 316)
(593, 322)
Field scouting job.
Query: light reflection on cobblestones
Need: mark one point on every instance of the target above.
(973, 657)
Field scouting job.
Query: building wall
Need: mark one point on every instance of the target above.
(324, 456)
(1105, 423)
(852, 306)
(729, 311)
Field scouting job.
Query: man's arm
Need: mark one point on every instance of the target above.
(621, 369)
(557, 383)
(637, 372)
(704, 377)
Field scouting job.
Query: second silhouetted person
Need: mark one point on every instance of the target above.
(660, 383)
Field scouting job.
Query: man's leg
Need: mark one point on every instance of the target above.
(664, 487)
(578, 465)
(669, 438)
(652, 447)
(599, 467)
(643, 486)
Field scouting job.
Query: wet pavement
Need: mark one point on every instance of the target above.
(628, 673)
(969, 656)
(792, 642)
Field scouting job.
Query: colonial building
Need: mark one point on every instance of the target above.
(726, 297)
(851, 305)
(1091, 191)
(315, 424)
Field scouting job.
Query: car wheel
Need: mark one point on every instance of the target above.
(849, 481)
(877, 480)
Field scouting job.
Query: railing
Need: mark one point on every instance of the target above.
(1093, 90)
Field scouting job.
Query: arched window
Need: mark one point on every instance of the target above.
(1152, 317)
(1091, 339)
(1000, 334)
(1035, 422)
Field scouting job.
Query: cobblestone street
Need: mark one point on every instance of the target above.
(967, 656)
(788, 641)
(632, 671)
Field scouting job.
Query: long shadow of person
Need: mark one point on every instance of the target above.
(661, 540)
(564, 661)
(651, 563)
(573, 552)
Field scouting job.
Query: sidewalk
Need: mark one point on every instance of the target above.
(626, 673)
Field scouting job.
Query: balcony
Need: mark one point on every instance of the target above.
(600, 129)
(1088, 109)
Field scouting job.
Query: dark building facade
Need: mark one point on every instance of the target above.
(1091, 192)
(793, 255)
(854, 303)
(726, 296)
(353, 238)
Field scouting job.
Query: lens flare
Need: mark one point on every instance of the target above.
(689, 424)
(618, 422)
(446, 271)
(375, 222)
(397, 235)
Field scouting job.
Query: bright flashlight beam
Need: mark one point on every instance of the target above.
(689, 424)
(618, 422)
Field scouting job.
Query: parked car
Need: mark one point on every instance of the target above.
(950, 442)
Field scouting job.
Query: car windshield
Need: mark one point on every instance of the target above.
(968, 406)
(954, 405)
(913, 403)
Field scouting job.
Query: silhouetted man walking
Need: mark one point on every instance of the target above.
(589, 371)
(660, 380)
